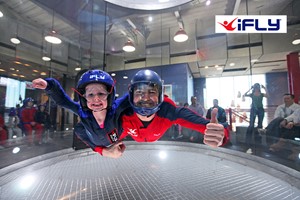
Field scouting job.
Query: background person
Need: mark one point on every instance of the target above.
(256, 109)
(197, 108)
(221, 116)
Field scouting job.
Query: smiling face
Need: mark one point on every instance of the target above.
(288, 100)
(145, 96)
(96, 95)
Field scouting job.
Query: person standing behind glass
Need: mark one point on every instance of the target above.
(221, 112)
(197, 108)
(257, 108)
(13, 124)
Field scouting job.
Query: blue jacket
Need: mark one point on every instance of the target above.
(93, 135)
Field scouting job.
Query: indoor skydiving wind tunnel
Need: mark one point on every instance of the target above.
(63, 39)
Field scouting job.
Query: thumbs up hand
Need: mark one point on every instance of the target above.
(214, 133)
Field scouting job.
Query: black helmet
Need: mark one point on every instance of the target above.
(147, 77)
(96, 76)
(256, 86)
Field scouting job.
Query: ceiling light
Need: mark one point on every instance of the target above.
(77, 68)
(181, 36)
(296, 41)
(113, 74)
(52, 38)
(125, 77)
(207, 2)
(43, 73)
(129, 47)
(231, 64)
(45, 58)
(15, 40)
(1, 14)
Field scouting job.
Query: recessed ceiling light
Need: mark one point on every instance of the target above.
(1, 14)
(295, 42)
(17, 62)
(113, 74)
(15, 40)
(2, 70)
(45, 58)
(231, 64)
(77, 68)
(35, 70)
(43, 73)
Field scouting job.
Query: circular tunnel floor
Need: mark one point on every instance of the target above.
(163, 170)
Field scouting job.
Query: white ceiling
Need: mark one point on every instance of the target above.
(80, 24)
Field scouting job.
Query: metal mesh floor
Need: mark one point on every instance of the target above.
(143, 174)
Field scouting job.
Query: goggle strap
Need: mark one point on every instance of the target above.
(77, 92)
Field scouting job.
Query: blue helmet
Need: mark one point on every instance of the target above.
(96, 76)
(150, 78)
(25, 101)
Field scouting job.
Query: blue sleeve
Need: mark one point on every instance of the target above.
(56, 92)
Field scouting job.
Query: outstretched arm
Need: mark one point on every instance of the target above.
(56, 92)
(217, 134)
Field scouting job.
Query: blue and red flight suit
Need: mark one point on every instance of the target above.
(88, 129)
(166, 116)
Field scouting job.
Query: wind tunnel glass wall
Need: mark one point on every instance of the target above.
(93, 34)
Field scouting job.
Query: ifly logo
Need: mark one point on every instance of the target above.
(94, 76)
(250, 24)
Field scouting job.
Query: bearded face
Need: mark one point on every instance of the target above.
(145, 96)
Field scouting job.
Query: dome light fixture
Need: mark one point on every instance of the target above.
(52, 38)
(128, 47)
(180, 36)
